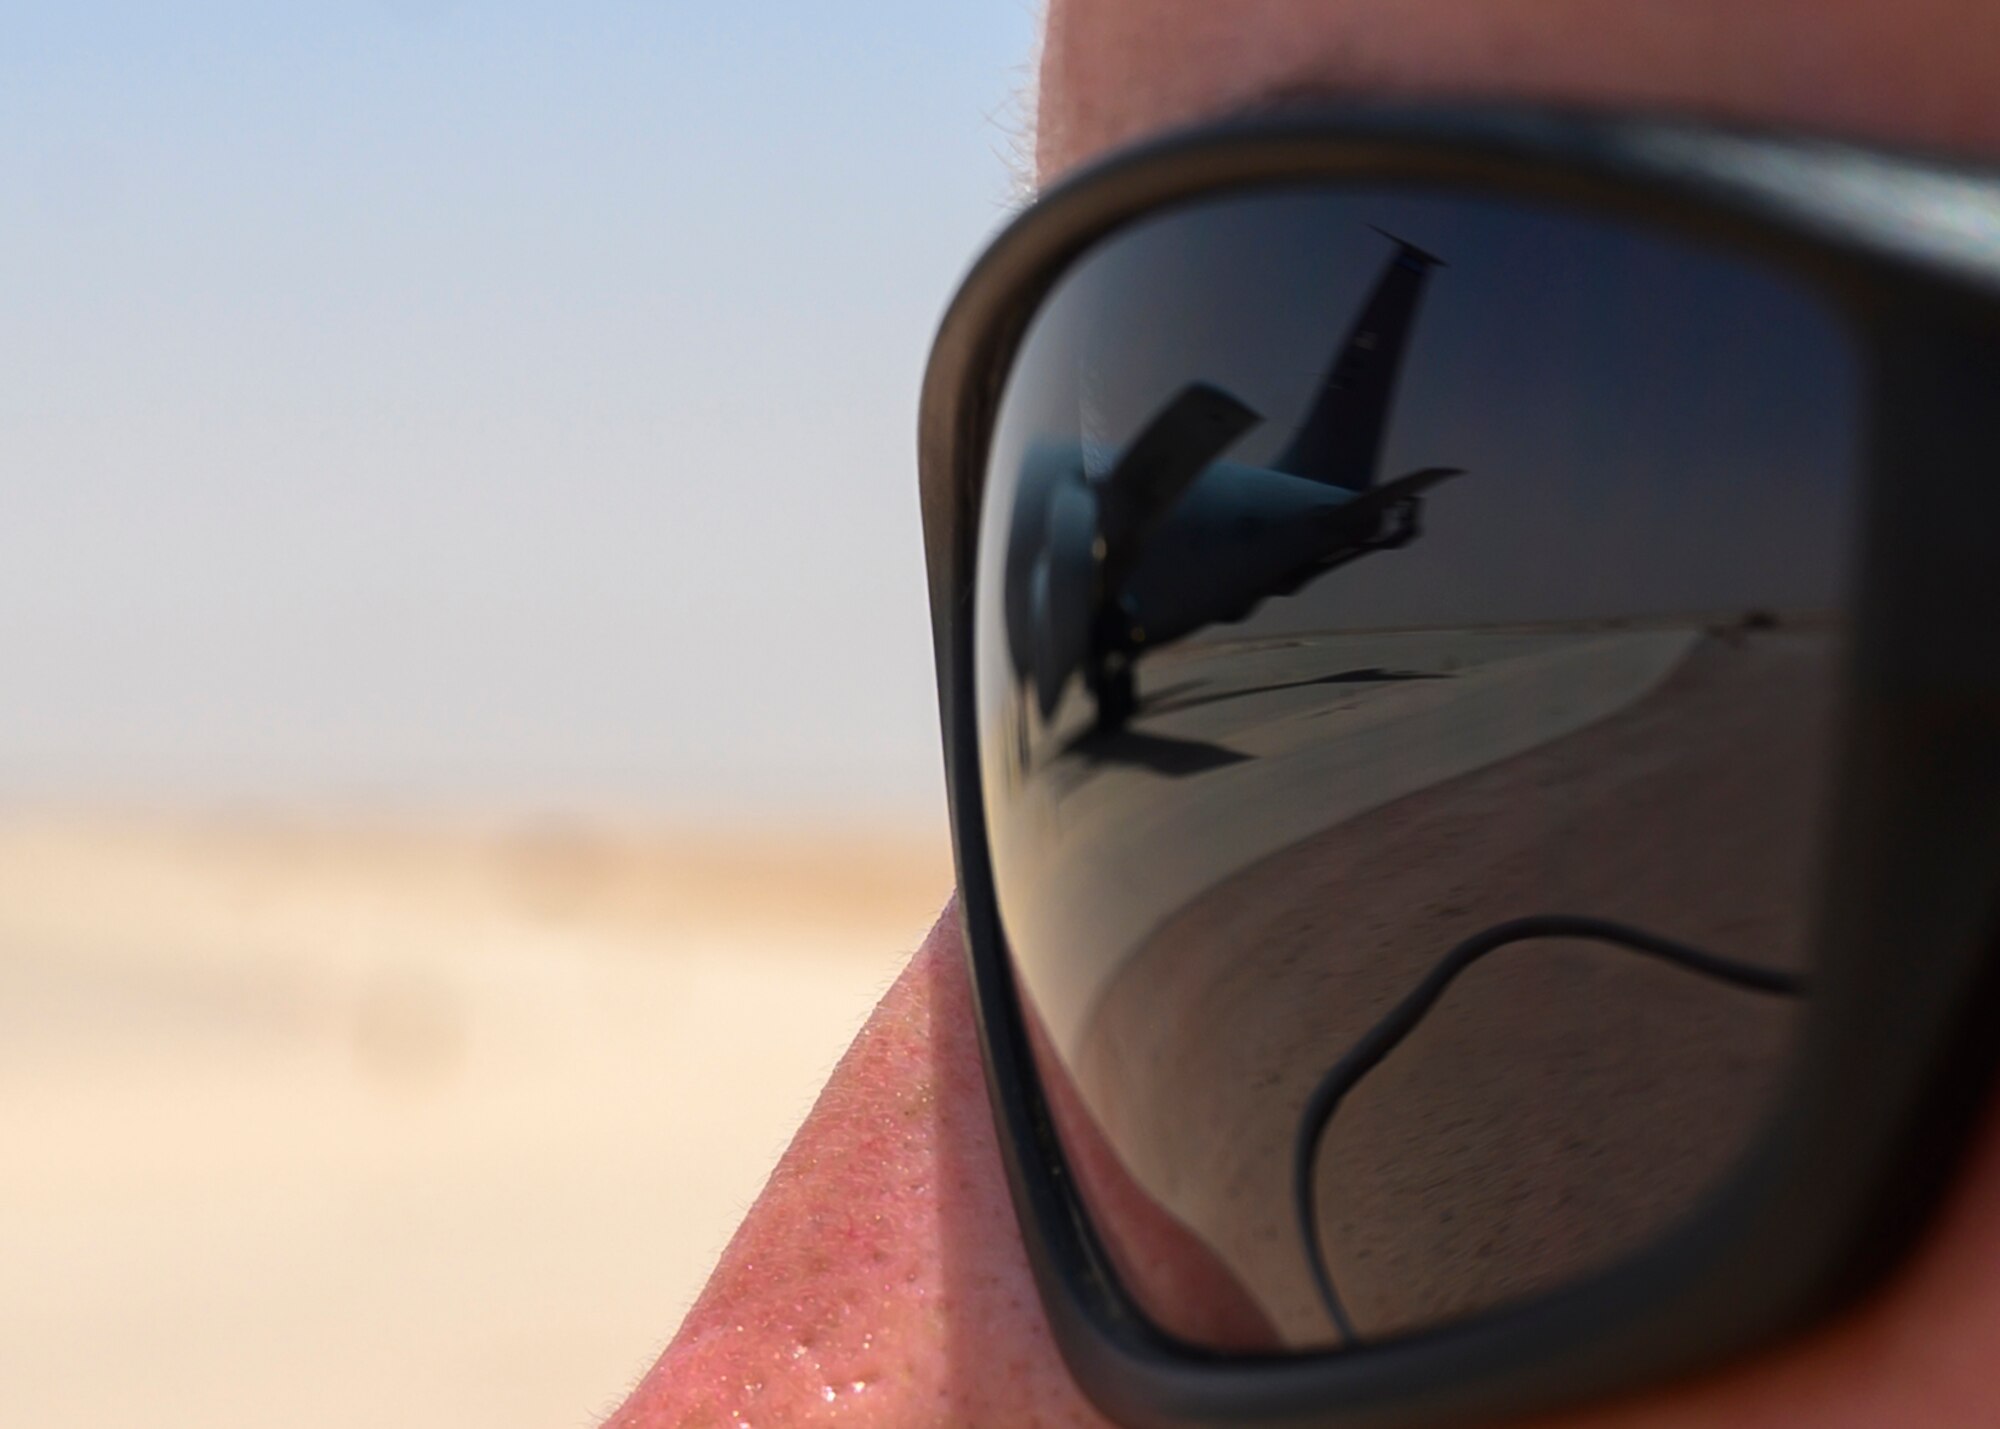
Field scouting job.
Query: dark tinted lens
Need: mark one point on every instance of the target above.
(1404, 671)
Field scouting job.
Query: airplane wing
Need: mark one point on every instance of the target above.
(1356, 528)
(1195, 427)
(1367, 509)
(1413, 484)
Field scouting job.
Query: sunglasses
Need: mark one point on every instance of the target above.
(1469, 648)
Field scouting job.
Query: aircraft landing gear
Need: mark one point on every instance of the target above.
(1116, 690)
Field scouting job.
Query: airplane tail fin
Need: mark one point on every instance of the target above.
(1405, 247)
(1340, 440)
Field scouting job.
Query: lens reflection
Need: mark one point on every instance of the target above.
(1406, 634)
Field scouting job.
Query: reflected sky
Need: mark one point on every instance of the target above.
(1606, 391)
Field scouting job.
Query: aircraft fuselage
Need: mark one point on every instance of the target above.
(1237, 536)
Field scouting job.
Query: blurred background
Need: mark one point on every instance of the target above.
(467, 749)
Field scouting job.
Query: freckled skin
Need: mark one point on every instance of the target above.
(883, 1253)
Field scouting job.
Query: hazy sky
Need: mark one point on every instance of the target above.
(425, 401)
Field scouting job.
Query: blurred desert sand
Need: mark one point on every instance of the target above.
(328, 1123)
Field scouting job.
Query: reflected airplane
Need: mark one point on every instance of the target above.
(1172, 540)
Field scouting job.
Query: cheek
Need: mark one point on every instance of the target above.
(880, 1278)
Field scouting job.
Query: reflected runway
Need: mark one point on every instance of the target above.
(1564, 1093)
(1296, 742)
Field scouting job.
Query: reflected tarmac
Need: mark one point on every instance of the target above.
(1292, 753)
(1390, 793)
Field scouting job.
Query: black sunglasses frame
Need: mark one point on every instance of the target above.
(1904, 1037)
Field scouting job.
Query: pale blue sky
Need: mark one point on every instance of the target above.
(426, 402)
